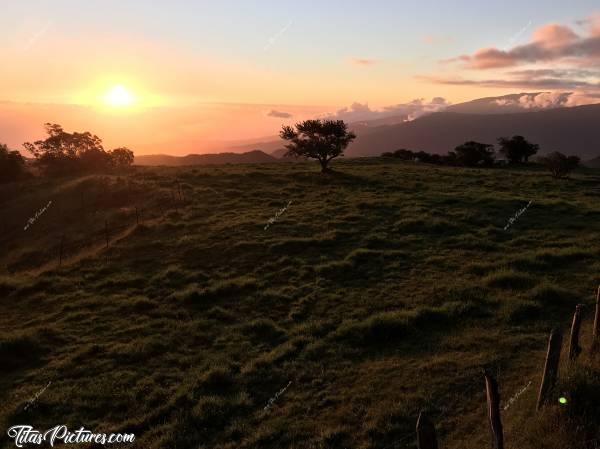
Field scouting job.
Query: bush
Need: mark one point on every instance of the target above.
(559, 164)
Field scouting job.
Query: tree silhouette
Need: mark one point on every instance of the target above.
(65, 153)
(472, 154)
(559, 164)
(121, 157)
(323, 140)
(517, 149)
(12, 165)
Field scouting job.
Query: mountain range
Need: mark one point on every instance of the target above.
(249, 157)
(570, 130)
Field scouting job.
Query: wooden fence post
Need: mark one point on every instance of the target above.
(596, 332)
(493, 406)
(426, 436)
(550, 367)
(574, 348)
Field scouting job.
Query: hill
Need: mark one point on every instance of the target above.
(178, 315)
(594, 163)
(569, 130)
(250, 157)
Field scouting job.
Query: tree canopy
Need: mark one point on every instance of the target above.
(12, 165)
(64, 153)
(517, 149)
(323, 140)
(559, 164)
(472, 154)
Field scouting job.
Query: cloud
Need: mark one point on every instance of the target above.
(279, 114)
(539, 83)
(550, 43)
(548, 100)
(362, 62)
(358, 112)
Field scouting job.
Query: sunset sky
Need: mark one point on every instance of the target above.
(180, 76)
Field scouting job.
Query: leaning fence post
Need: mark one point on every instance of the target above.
(574, 348)
(493, 406)
(550, 367)
(596, 332)
(426, 437)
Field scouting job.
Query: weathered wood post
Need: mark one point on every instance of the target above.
(596, 332)
(574, 348)
(550, 367)
(493, 407)
(426, 436)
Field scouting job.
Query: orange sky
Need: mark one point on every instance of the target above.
(201, 75)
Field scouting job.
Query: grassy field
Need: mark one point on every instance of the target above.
(380, 290)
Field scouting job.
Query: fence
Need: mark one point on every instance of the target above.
(101, 236)
(426, 433)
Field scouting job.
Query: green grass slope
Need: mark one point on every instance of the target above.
(379, 291)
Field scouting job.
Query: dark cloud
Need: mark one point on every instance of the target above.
(279, 114)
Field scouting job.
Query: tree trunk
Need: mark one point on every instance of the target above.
(324, 168)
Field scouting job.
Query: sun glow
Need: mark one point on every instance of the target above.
(118, 97)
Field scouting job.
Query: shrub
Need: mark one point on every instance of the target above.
(560, 165)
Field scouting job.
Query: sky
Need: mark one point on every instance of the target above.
(182, 76)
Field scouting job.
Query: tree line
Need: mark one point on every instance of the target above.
(63, 153)
(516, 150)
(324, 140)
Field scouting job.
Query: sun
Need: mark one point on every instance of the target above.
(118, 97)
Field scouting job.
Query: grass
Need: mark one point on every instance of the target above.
(382, 290)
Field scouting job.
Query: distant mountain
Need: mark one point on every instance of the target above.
(250, 157)
(593, 163)
(572, 131)
(505, 104)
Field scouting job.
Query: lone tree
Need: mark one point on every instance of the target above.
(121, 157)
(559, 164)
(517, 149)
(472, 154)
(12, 165)
(318, 139)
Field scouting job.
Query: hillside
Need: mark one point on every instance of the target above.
(568, 130)
(250, 157)
(177, 314)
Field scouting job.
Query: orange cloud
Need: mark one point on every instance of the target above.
(554, 35)
(363, 62)
(551, 43)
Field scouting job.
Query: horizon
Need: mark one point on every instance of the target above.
(191, 79)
